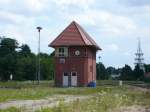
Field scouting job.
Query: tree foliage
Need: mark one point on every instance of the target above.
(147, 68)
(138, 73)
(111, 70)
(7, 57)
(25, 50)
(101, 72)
(47, 67)
(21, 62)
(127, 73)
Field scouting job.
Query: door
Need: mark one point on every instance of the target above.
(65, 79)
(73, 78)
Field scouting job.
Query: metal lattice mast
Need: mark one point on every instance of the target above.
(139, 60)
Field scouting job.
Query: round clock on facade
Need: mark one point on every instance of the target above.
(77, 52)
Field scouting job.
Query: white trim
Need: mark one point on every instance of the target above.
(65, 80)
(74, 79)
(61, 54)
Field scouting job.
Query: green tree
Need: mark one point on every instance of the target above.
(7, 46)
(126, 73)
(147, 68)
(26, 64)
(22, 63)
(8, 56)
(110, 70)
(26, 68)
(25, 50)
(147, 71)
(101, 72)
(47, 67)
(138, 73)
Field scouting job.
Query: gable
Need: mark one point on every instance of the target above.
(74, 35)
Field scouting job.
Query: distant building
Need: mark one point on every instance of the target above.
(147, 75)
(115, 76)
(75, 57)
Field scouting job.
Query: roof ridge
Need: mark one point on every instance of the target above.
(79, 31)
(92, 42)
(60, 34)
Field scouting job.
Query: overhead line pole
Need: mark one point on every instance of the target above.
(39, 67)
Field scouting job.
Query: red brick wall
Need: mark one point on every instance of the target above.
(81, 64)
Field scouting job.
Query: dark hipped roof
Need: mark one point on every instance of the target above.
(74, 35)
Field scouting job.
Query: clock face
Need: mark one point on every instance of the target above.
(77, 52)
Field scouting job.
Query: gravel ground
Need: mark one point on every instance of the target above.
(32, 105)
(135, 108)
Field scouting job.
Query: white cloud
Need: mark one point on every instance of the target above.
(127, 54)
(78, 3)
(103, 19)
(107, 22)
(13, 32)
(136, 3)
(85, 19)
(6, 1)
(25, 7)
(143, 32)
(112, 47)
(35, 5)
(11, 17)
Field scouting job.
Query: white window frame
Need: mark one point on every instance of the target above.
(61, 52)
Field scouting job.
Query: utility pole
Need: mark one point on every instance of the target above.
(39, 67)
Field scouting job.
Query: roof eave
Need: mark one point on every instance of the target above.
(96, 47)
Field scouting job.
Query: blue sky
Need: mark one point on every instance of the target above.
(114, 24)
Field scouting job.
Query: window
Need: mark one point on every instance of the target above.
(66, 74)
(74, 74)
(61, 51)
(62, 60)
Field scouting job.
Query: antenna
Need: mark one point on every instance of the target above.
(139, 60)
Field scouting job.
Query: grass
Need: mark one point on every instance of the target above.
(38, 92)
(12, 109)
(108, 96)
(25, 84)
(28, 90)
(104, 101)
(116, 82)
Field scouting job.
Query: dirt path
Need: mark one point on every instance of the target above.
(32, 105)
(139, 88)
(135, 108)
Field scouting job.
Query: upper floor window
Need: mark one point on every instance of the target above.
(61, 52)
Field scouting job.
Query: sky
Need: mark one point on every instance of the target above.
(115, 25)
